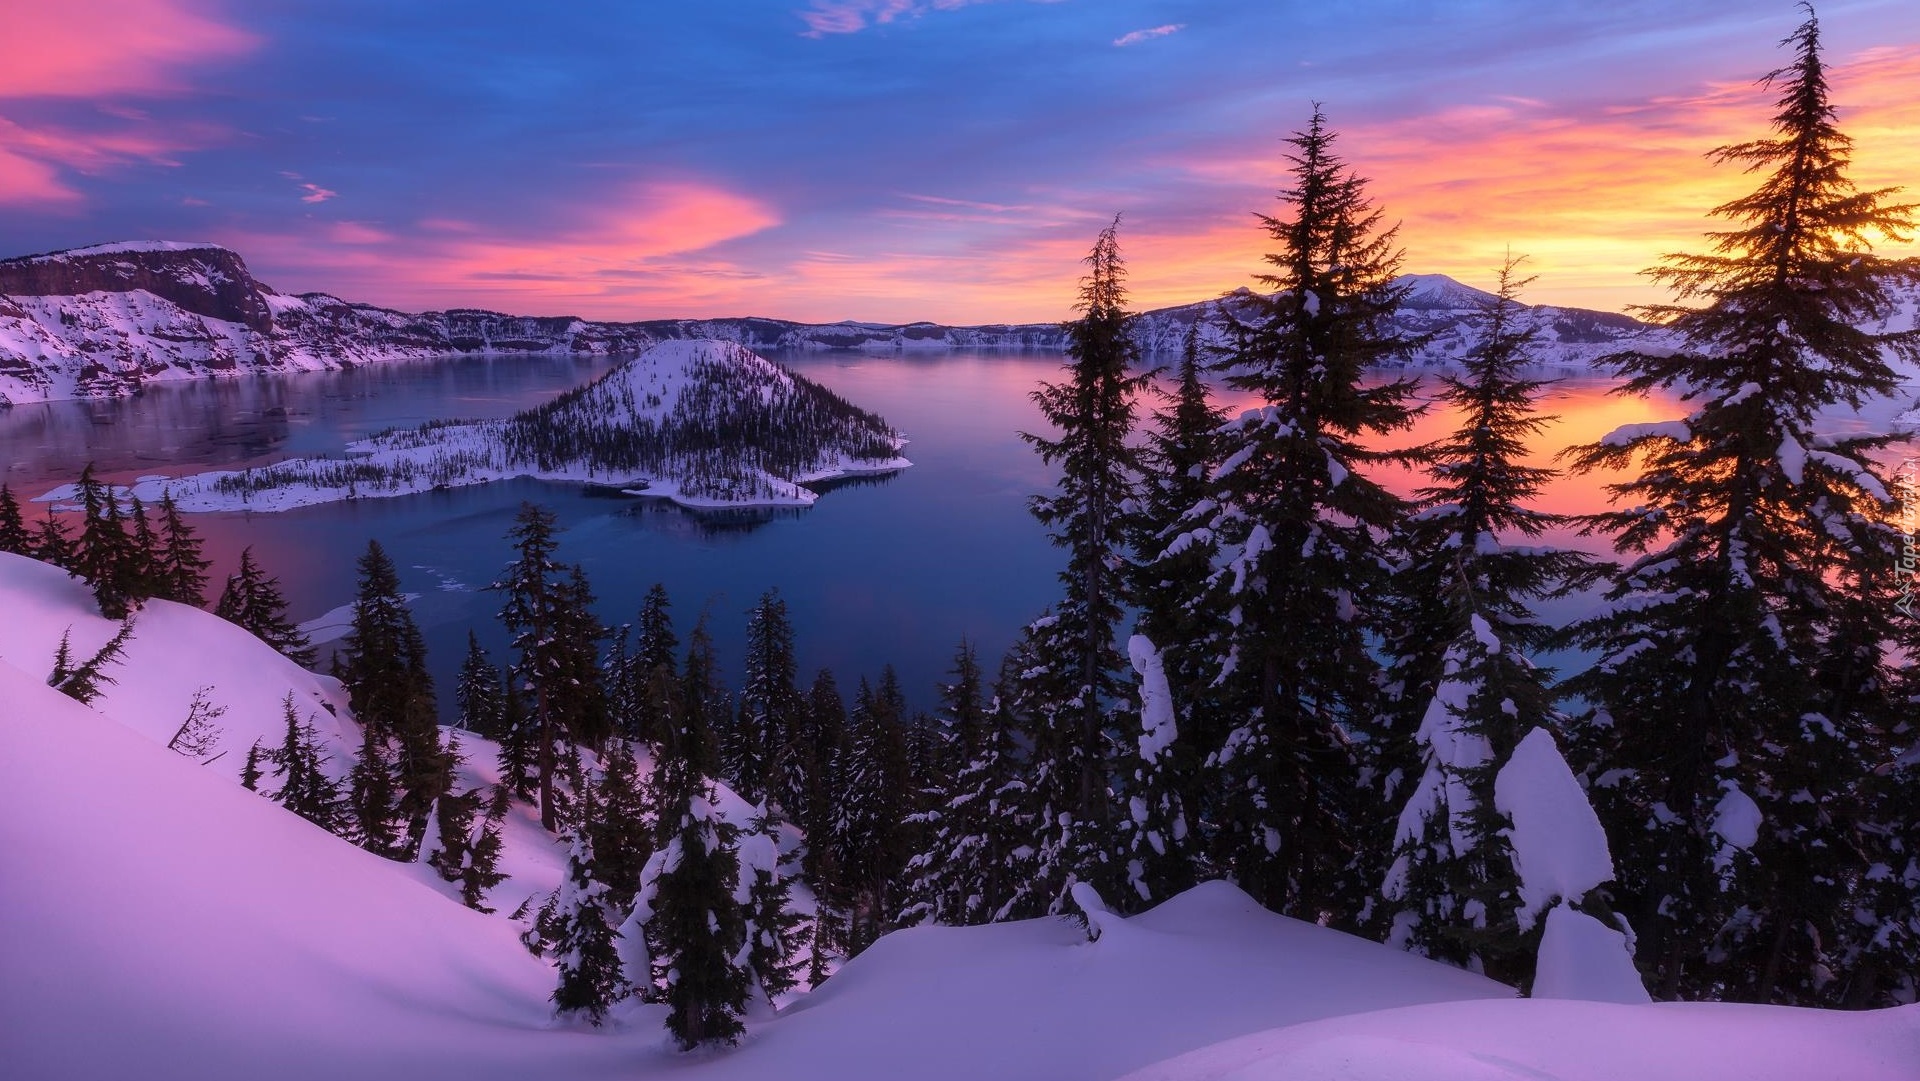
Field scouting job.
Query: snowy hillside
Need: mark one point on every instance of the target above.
(703, 423)
(161, 922)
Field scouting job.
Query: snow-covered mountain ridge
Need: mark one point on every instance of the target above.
(105, 320)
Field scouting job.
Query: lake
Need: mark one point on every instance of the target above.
(897, 570)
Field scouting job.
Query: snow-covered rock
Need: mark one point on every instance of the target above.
(1582, 958)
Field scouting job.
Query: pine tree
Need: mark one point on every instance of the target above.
(145, 574)
(250, 771)
(654, 649)
(1159, 848)
(519, 746)
(1181, 450)
(826, 717)
(181, 570)
(198, 735)
(776, 938)
(535, 614)
(1079, 677)
(403, 768)
(623, 831)
(590, 977)
(1298, 567)
(84, 682)
(966, 870)
(694, 923)
(252, 600)
(52, 545)
(770, 706)
(14, 535)
(106, 557)
(1744, 694)
(867, 831)
(1462, 687)
(481, 871)
(305, 789)
(478, 695)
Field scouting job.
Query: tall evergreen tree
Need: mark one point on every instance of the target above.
(694, 925)
(145, 570)
(105, 556)
(14, 535)
(1078, 678)
(867, 830)
(1299, 527)
(826, 716)
(84, 681)
(51, 544)
(181, 570)
(776, 937)
(585, 952)
(532, 614)
(478, 695)
(654, 651)
(968, 868)
(383, 662)
(251, 599)
(770, 707)
(298, 764)
(1743, 692)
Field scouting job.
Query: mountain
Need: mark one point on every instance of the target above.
(104, 321)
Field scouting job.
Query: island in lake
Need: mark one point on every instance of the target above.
(703, 423)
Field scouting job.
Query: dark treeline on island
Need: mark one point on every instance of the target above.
(1330, 695)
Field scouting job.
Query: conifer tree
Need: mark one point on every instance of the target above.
(704, 710)
(105, 556)
(478, 695)
(250, 771)
(403, 768)
(181, 569)
(145, 573)
(966, 870)
(1298, 568)
(51, 544)
(83, 682)
(1078, 678)
(14, 535)
(867, 831)
(623, 830)
(481, 872)
(557, 637)
(1181, 450)
(305, 789)
(654, 649)
(776, 938)
(519, 746)
(252, 600)
(1463, 689)
(584, 950)
(826, 716)
(1159, 849)
(770, 707)
(1743, 692)
(694, 924)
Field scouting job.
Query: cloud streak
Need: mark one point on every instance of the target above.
(1138, 36)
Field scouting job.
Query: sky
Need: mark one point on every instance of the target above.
(895, 160)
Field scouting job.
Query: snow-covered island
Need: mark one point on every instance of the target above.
(704, 423)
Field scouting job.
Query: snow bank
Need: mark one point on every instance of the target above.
(1582, 958)
(1543, 1040)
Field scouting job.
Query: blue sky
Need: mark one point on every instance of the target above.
(889, 159)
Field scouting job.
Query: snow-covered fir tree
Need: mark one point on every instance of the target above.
(1158, 846)
(1744, 692)
(757, 758)
(105, 555)
(1461, 634)
(1070, 689)
(403, 768)
(478, 695)
(871, 808)
(695, 930)
(251, 599)
(1299, 565)
(776, 934)
(584, 950)
(84, 680)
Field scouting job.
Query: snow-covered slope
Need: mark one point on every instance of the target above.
(703, 423)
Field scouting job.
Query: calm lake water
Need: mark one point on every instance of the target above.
(897, 570)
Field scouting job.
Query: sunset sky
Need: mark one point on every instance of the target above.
(892, 160)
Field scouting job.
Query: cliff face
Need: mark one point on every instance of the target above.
(201, 279)
(107, 320)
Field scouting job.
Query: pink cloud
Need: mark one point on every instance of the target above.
(1138, 36)
(316, 194)
(100, 49)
